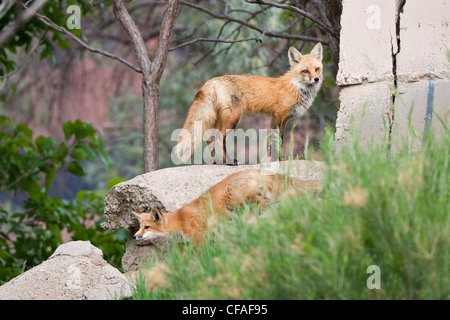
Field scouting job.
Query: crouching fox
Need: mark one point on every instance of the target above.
(217, 202)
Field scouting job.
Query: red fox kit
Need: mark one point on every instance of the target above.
(217, 202)
(222, 101)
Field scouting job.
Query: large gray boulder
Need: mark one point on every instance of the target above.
(170, 189)
(75, 271)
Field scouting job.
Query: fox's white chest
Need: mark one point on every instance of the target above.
(307, 93)
(297, 110)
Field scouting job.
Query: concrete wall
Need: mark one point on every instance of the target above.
(388, 47)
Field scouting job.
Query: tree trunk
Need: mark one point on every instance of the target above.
(334, 12)
(151, 88)
(330, 11)
(151, 74)
(151, 106)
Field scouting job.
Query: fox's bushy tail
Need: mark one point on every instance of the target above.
(279, 184)
(201, 117)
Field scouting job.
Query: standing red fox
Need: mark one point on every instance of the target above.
(218, 201)
(221, 101)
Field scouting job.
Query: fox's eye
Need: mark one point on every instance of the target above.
(317, 69)
(305, 71)
(146, 227)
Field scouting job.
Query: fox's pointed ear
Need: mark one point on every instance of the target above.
(156, 215)
(138, 215)
(317, 51)
(294, 56)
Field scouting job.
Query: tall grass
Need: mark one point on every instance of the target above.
(375, 208)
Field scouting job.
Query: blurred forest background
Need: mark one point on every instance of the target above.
(48, 82)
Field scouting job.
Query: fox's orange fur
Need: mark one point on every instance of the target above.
(217, 202)
(221, 101)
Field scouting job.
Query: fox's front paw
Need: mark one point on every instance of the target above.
(233, 162)
(229, 162)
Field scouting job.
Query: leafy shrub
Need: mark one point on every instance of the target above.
(375, 209)
(29, 233)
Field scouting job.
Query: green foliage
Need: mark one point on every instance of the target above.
(34, 28)
(375, 209)
(30, 233)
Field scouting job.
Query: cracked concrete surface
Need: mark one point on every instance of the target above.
(390, 115)
(394, 69)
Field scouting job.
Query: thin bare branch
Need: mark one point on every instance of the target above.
(222, 28)
(212, 40)
(167, 24)
(26, 15)
(278, 51)
(5, 6)
(273, 34)
(29, 54)
(126, 41)
(299, 11)
(121, 13)
(102, 25)
(53, 25)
